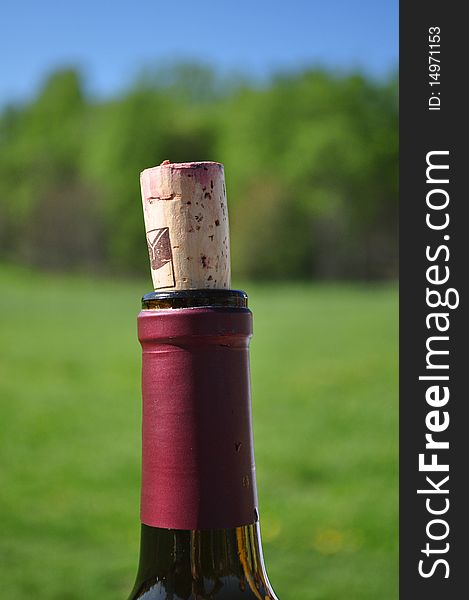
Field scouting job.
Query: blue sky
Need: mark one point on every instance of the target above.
(112, 41)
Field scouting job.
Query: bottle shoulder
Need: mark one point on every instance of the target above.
(218, 564)
(222, 589)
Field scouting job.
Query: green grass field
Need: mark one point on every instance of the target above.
(324, 376)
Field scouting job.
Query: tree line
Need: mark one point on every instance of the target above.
(310, 162)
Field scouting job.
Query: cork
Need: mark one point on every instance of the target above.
(186, 224)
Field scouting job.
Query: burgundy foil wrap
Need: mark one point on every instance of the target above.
(198, 463)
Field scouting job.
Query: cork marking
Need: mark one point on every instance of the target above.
(161, 256)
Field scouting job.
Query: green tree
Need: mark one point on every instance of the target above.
(310, 157)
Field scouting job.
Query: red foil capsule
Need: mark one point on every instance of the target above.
(198, 463)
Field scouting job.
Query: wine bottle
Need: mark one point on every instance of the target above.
(200, 536)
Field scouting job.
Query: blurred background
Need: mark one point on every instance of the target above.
(299, 102)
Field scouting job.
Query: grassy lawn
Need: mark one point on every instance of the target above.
(324, 376)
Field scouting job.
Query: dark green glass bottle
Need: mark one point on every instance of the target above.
(206, 563)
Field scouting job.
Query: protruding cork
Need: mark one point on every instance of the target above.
(186, 223)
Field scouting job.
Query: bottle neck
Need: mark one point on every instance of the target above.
(201, 564)
(197, 460)
(200, 535)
